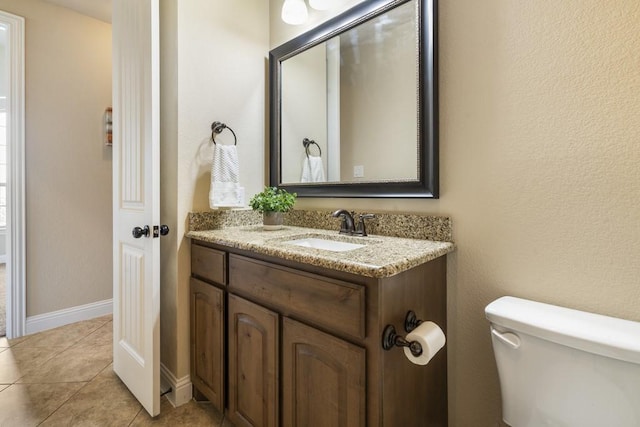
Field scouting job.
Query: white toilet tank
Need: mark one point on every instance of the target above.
(564, 367)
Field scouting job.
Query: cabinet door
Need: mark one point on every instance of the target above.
(323, 379)
(207, 341)
(253, 364)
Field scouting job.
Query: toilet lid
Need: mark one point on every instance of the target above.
(594, 333)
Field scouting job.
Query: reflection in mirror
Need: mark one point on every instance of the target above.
(367, 79)
(356, 95)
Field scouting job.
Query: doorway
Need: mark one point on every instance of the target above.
(12, 210)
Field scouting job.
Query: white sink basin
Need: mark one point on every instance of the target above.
(327, 245)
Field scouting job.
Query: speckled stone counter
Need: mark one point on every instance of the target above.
(407, 225)
(382, 256)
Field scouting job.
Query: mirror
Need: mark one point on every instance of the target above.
(354, 104)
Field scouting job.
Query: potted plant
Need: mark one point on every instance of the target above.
(273, 203)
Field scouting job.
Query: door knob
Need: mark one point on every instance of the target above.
(139, 232)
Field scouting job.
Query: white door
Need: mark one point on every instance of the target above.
(136, 199)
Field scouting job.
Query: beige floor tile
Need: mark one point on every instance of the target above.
(104, 401)
(78, 363)
(29, 404)
(101, 336)
(106, 318)
(65, 377)
(63, 336)
(190, 414)
(6, 342)
(16, 362)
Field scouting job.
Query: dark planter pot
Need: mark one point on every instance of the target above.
(272, 220)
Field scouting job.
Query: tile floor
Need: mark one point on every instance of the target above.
(64, 377)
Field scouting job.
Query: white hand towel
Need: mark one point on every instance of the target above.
(225, 188)
(312, 169)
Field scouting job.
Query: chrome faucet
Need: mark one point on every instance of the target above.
(346, 226)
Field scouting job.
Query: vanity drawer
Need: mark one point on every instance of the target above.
(209, 264)
(320, 300)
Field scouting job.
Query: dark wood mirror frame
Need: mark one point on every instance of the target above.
(427, 184)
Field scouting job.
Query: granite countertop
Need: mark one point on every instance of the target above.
(383, 256)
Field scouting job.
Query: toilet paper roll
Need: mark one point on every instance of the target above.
(430, 337)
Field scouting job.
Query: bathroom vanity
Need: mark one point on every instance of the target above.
(288, 335)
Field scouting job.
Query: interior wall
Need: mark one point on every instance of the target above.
(539, 131)
(68, 167)
(214, 69)
(169, 183)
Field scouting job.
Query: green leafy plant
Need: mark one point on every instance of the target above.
(273, 199)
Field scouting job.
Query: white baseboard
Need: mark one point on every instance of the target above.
(181, 389)
(42, 322)
(3, 259)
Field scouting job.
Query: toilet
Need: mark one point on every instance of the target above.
(564, 367)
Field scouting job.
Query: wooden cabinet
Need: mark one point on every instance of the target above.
(302, 344)
(323, 378)
(333, 304)
(253, 364)
(207, 341)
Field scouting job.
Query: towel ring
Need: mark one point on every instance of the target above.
(217, 128)
(307, 142)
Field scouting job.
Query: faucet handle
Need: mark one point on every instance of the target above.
(361, 228)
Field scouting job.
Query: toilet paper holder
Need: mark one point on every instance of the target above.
(390, 337)
(411, 321)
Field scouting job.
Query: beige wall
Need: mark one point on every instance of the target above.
(169, 186)
(68, 167)
(539, 123)
(214, 59)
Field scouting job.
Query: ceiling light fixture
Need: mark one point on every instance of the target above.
(294, 12)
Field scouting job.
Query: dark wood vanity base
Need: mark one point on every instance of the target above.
(282, 343)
